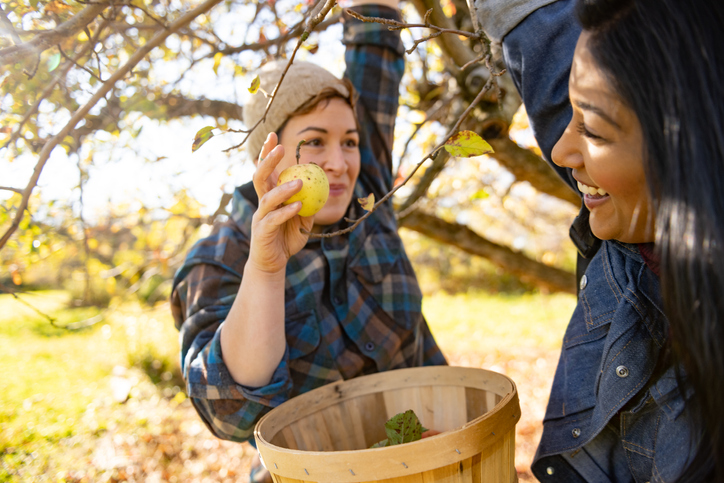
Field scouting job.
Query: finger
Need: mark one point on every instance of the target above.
(265, 169)
(281, 215)
(276, 196)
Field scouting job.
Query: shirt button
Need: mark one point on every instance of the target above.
(584, 282)
(369, 346)
(622, 371)
(550, 470)
(337, 300)
(576, 432)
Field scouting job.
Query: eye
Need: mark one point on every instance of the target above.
(351, 143)
(581, 128)
(313, 142)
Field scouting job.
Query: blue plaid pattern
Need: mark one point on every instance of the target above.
(352, 303)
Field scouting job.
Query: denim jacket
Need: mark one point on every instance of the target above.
(614, 413)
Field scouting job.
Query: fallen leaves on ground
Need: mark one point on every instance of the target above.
(151, 438)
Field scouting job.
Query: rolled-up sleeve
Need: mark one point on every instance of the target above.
(202, 297)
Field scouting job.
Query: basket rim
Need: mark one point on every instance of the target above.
(344, 466)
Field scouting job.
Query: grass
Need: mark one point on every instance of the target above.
(51, 376)
(58, 410)
(483, 323)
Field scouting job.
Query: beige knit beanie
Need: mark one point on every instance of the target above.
(303, 81)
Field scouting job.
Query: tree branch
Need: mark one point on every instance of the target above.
(50, 38)
(467, 240)
(139, 55)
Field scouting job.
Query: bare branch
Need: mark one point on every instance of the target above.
(49, 88)
(45, 40)
(16, 190)
(139, 55)
(5, 21)
(437, 148)
(315, 19)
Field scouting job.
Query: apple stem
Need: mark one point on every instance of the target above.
(298, 147)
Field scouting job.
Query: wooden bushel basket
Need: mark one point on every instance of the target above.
(324, 435)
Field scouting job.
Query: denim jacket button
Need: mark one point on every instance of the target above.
(550, 470)
(622, 371)
(576, 432)
(584, 282)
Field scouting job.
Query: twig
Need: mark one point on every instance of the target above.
(37, 311)
(137, 56)
(16, 190)
(314, 20)
(65, 56)
(450, 134)
(49, 88)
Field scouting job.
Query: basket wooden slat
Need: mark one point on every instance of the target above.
(325, 435)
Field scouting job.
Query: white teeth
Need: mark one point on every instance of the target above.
(590, 190)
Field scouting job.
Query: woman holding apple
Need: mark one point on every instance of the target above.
(625, 98)
(267, 312)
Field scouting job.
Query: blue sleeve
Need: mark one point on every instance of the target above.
(375, 64)
(538, 53)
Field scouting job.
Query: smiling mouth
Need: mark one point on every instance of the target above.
(591, 191)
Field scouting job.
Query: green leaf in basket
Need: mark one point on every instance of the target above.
(402, 428)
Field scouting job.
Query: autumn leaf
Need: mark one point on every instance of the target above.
(217, 61)
(203, 135)
(402, 428)
(480, 195)
(368, 202)
(56, 7)
(466, 144)
(254, 87)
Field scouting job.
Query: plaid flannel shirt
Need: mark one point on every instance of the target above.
(352, 302)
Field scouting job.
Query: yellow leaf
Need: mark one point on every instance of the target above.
(254, 87)
(466, 144)
(217, 61)
(367, 203)
(203, 135)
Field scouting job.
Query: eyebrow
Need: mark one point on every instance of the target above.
(598, 111)
(322, 130)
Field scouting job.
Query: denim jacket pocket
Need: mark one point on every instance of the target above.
(302, 333)
(574, 386)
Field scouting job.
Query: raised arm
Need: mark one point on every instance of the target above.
(375, 65)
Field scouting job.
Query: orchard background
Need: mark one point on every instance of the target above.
(101, 197)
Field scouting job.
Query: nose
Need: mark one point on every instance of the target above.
(335, 161)
(567, 153)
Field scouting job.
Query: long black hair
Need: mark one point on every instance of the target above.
(665, 58)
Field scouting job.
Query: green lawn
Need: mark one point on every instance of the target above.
(56, 392)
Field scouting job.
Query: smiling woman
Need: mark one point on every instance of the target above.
(603, 147)
(624, 97)
(267, 312)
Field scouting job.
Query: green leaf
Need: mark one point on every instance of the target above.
(402, 428)
(254, 87)
(53, 62)
(203, 135)
(466, 144)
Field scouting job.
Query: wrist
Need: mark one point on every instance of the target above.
(262, 274)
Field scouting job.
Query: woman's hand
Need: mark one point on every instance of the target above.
(276, 229)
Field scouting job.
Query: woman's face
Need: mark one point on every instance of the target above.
(332, 142)
(603, 144)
